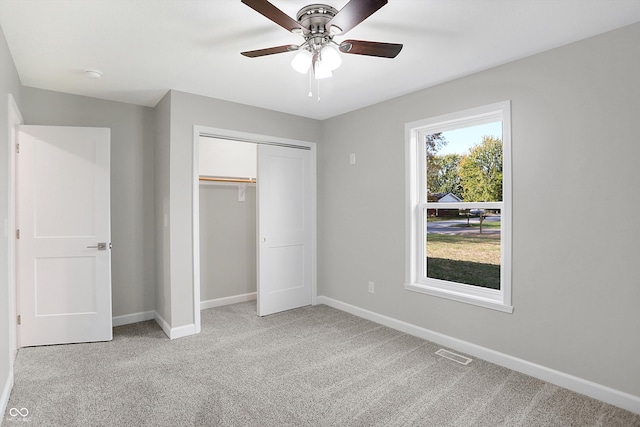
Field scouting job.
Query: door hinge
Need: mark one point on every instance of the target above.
(17, 148)
(18, 234)
(19, 320)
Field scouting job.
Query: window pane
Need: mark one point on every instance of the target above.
(465, 164)
(463, 246)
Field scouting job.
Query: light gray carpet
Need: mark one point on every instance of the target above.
(314, 366)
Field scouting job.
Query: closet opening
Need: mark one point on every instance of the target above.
(227, 193)
(254, 221)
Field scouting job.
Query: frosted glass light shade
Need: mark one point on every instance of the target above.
(330, 57)
(320, 70)
(302, 61)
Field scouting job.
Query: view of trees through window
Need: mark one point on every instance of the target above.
(463, 243)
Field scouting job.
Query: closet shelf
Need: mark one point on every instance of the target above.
(218, 179)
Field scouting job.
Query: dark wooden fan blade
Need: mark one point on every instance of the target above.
(361, 47)
(271, 12)
(353, 13)
(270, 51)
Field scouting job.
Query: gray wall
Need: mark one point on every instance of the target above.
(188, 110)
(9, 84)
(132, 185)
(162, 253)
(227, 241)
(575, 128)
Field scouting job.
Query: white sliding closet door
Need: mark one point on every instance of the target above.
(285, 228)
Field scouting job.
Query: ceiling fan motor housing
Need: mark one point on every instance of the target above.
(314, 18)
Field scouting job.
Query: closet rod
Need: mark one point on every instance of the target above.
(247, 180)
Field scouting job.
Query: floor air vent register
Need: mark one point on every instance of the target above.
(453, 356)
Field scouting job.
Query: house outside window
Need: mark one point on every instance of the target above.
(458, 206)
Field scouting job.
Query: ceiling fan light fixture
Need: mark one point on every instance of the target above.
(302, 61)
(330, 57)
(321, 70)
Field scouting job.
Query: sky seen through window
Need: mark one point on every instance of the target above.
(460, 140)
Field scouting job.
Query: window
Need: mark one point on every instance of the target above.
(458, 205)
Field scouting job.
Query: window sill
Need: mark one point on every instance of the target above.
(490, 301)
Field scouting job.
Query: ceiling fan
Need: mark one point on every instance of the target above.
(318, 24)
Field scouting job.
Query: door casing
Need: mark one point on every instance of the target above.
(15, 120)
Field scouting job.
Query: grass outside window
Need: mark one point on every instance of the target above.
(466, 257)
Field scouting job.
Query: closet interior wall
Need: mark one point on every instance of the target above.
(227, 220)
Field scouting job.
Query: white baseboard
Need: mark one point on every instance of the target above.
(219, 302)
(133, 318)
(606, 394)
(174, 333)
(6, 393)
(182, 331)
(162, 323)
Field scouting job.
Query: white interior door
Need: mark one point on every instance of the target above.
(63, 250)
(285, 228)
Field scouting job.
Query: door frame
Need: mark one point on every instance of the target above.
(199, 131)
(15, 120)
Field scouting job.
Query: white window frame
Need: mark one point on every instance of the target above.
(416, 204)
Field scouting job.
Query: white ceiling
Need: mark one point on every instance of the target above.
(146, 47)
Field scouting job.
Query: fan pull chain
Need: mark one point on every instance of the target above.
(311, 76)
